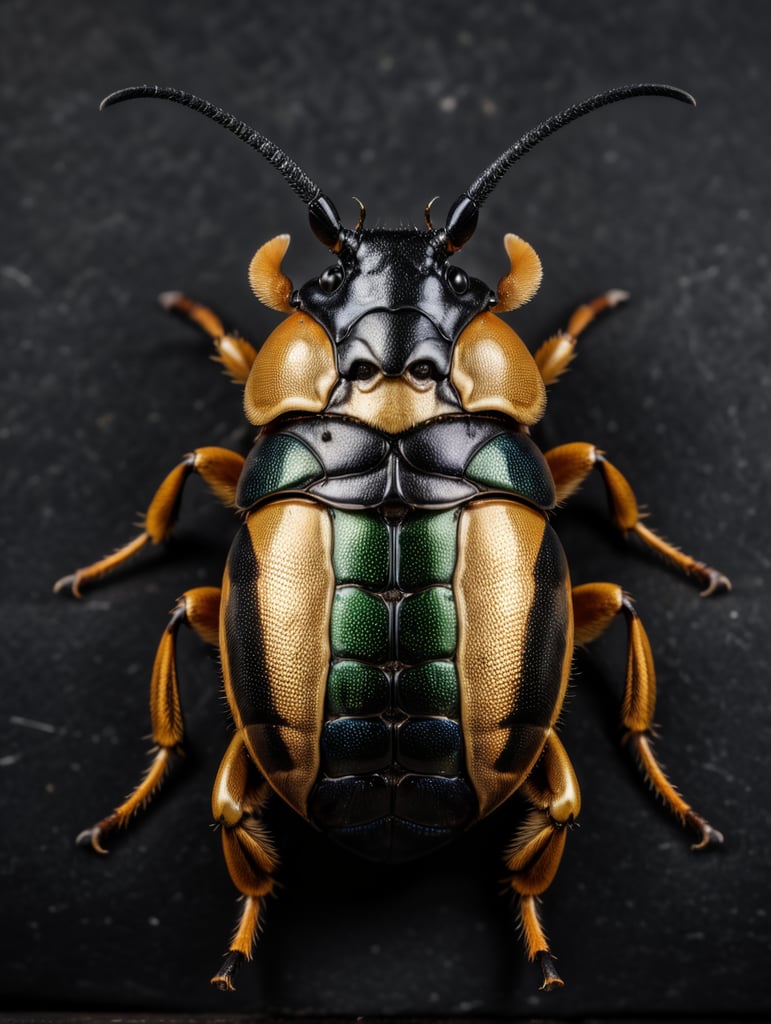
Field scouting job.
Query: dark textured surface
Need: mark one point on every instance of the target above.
(101, 394)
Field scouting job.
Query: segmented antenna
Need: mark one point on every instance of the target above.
(295, 176)
(489, 178)
(464, 213)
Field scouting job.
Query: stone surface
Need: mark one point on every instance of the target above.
(101, 394)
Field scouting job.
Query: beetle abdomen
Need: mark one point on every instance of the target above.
(396, 669)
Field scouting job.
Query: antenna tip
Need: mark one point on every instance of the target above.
(648, 89)
(130, 93)
(114, 97)
(686, 97)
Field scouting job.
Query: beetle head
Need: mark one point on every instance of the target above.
(396, 333)
(393, 270)
(393, 332)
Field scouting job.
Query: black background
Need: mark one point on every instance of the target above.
(101, 393)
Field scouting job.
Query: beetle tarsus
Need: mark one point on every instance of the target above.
(551, 978)
(223, 979)
(708, 836)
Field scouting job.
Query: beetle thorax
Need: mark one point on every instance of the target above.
(394, 368)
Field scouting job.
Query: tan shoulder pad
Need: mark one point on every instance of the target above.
(294, 371)
(492, 370)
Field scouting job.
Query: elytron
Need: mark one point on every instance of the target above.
(396, 622)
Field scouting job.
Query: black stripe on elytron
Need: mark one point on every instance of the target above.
(537, 689)
(245, 654)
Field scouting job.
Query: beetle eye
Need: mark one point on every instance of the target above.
(362, 370)
(331, 279)
(423, 370)
(457, 280)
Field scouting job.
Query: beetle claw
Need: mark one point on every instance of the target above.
(70, 582)
(708, 836)
(91, 837)
(717, 583)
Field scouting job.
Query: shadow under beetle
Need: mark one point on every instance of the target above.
(396, 621)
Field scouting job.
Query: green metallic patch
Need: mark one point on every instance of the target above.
(511, 462)
(357, 689)
(430, 689)
(360, 549)
(427, 549)
(284, 462)
(428, 625)
(359, 625)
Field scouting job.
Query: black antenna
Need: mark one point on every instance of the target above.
(461, 219)
(324, 218)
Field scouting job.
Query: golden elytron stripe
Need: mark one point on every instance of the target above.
(276, 677)
(511, 694)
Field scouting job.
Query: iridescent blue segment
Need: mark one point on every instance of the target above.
(355, 746)
(432, 745)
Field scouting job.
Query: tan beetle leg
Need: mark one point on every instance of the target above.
(199, 609)
(595, 606)
(571, 464)
(536, 851)
(556, 353)
(235, 353)
(220, 469)
(249, 852)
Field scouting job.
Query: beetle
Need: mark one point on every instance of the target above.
(396, 622)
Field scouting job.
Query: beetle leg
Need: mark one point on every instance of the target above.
(220, 469)
(595, 606)
(535, 853)
(571, 464)
(556, 353)
(234, 352)
(199, 609)
(249, 852)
